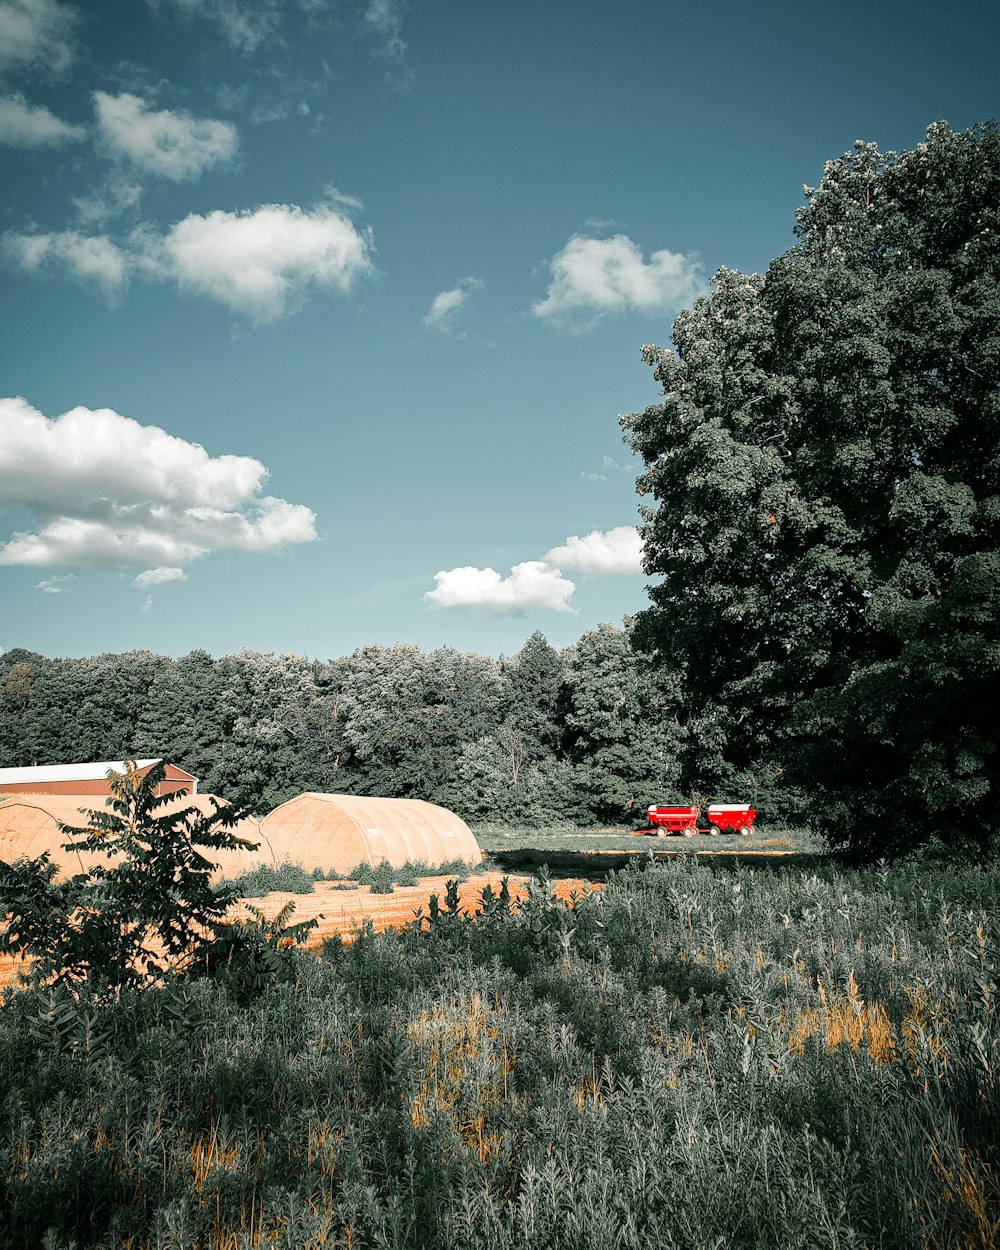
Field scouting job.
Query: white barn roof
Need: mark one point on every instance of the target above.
(66, 772)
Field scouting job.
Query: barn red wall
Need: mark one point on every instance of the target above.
(176, 779)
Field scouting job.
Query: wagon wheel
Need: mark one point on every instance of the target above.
(715, 831)
(690, 831)
(746, 830)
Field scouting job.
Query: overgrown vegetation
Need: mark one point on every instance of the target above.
(291, 878)
(693, 1056)
(381, 877)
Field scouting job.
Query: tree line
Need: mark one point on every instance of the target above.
(542, 737)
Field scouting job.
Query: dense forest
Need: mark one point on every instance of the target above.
(542, 737)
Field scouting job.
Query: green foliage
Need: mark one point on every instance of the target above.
(487, 738)
(150, 910)
(381, 877)
(258, 882)
(692, 1057)
(623, 740)
(251, 953)
(824, 469)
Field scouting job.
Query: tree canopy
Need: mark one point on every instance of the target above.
(540, 737)
(823, 473)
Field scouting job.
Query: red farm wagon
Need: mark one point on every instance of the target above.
(722, 818)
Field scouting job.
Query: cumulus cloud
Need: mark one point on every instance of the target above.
(596, 278)
(167, 144)
(263, 263)
(260, 263)
(530, 585)
(24, 125)
(447, 304)
(89, 258)
(105, 490)
(540, 583)
(36, 32)
(159, 577)
(611, 553)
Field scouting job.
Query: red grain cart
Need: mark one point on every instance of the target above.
(738, 817)
(664, 820)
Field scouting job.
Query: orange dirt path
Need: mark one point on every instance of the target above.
(344, 911)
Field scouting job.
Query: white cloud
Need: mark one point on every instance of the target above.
(530, 585)
(260, 263)
(159, 577)
(447, 304)
(540, 583)
(55, 585)
(116, 196)
(263, 263)
(595, 278)
(24, 125)
(245, 24)
(610, 553)
(90, 258)
(385, 18)
(172, 145)
(106, 490)
(36, 32)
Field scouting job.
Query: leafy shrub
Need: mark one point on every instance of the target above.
(410, 873)
(151, 910)
(287, 877)
(251, 953)
(382, 878)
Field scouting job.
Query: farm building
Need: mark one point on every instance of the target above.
(340, 831)
(29, 825)
(87, 778)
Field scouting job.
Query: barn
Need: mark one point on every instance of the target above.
(29, 825)
(88, 778)
(340, 831)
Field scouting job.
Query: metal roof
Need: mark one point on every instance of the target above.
(69, 772)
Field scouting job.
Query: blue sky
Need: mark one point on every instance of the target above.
(318, 315)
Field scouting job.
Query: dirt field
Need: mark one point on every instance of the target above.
(343, 911)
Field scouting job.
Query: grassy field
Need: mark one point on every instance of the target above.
(569, 838)
(772, 1056)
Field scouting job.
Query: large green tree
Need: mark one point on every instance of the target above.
(824, 477)
(622, 734)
